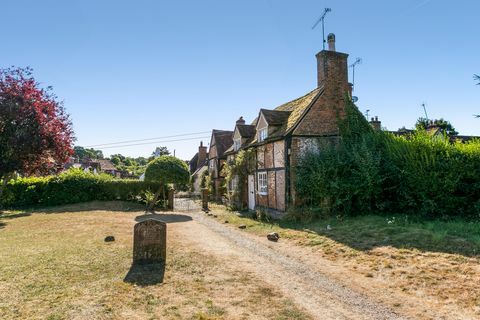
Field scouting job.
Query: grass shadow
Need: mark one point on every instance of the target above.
(14, 215)
(369, 232)
(145, 274)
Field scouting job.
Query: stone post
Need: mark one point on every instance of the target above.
(205, 199)
(171, 193)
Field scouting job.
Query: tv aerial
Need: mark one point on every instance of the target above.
(353, 65)
(322, 20)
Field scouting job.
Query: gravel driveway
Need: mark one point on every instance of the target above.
(317, 294)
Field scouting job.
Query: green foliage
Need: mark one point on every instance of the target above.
(369, 171)
(239, 168)
(82, 153)
(72, 186)
(444, 126)
(167, 169)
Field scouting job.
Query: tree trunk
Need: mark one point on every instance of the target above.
(151, 206)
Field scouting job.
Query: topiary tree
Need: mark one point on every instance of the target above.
(164, 170)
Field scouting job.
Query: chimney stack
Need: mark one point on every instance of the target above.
(240, 121)
(376, 124)
(202, 155)
(332, 69)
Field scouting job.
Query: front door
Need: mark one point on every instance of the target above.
(251, 192)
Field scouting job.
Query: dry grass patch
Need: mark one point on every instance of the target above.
(435, 262)
(57, 266)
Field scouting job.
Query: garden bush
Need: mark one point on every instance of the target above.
(72, 186)
(370, 171)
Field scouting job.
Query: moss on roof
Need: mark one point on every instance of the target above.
(297, 107)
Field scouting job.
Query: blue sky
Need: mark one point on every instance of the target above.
(130, 70)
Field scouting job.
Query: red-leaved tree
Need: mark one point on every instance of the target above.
(36, 134)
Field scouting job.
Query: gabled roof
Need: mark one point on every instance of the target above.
(275, 117)
(246, 130)
(223, 140)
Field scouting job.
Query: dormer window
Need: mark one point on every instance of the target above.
(237, 144)
(262, 134)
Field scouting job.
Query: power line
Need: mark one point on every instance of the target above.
(147, 139)
(153, 142)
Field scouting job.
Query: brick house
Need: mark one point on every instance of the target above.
(279, 137)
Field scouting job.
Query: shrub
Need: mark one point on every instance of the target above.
(72, 186)
(369, 171)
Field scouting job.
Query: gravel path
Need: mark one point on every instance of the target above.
(319, 295)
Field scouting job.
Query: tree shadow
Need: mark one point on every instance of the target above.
(121, 206)
(164, 217)
(2, 224)
(14, 216)
(145, 274)
(368, 234)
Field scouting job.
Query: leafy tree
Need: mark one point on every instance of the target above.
(36, 133)
(165, 170)
(161, 151)
(82, 153)
(445, 126)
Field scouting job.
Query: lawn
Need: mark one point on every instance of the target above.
(437, 261)
(55, 265)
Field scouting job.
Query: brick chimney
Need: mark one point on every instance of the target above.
(240, 121)
(332, 68)
(376, 124)
(202, 155)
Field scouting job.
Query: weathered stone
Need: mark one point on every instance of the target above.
(242, 226)
(109, 238)
(273, 236)
(150, 242)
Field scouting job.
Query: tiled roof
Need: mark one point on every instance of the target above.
(223, 140)
(275, 117)
(297, 107)
(106, 165)
(246, 130)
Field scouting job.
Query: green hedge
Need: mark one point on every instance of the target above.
(377, 172)
(72, 186)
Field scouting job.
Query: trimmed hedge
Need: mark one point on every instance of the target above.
(72, 186)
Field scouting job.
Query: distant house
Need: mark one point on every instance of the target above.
(198, 165)
(220, 141)
(95, 166)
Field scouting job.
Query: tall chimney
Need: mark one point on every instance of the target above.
(202, 155)
(376, 124)
(332, 68)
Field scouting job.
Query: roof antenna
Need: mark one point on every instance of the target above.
(322, 19)
(425, 110)
(353, 65)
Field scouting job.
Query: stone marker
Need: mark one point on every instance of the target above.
(273, 236)
(150, 242)
(109, 238)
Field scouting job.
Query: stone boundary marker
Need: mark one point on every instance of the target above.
(150, 242)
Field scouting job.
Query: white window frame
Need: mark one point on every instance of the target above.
(262, 134)
(237, 144)
(262, 183)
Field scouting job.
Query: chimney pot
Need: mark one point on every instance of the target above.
(240, 121)
(331, 41)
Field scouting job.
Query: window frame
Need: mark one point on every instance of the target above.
(262, 134)
(237, 144)
(262, 183)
